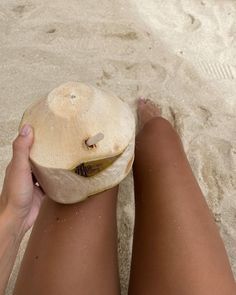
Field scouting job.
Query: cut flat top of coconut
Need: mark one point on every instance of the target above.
(73, 115)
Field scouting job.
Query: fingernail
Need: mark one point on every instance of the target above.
(25, 130)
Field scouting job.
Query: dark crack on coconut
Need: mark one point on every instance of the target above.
(94, 167)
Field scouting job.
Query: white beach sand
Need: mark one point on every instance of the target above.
(181, 54)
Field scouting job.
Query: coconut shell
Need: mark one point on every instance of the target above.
(70, 117)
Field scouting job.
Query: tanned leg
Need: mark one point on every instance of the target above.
(72, 249)
(177, 248)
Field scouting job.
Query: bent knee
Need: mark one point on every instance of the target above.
(158, 134)
(159, 141)
(159, 126)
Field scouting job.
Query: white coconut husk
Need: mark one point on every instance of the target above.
(78, 123)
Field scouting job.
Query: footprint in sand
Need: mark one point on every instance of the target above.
(120, 31)
(215, 173)
(22, 9)
(214, 70)
(145, 70)
(193, 24)
(175, 17)
(19, 9)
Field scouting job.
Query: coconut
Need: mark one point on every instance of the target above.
(83, 141)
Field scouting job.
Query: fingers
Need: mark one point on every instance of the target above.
(39, 193)
(36, 183)
(21, 149)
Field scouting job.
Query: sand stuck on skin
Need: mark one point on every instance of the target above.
(180, 54)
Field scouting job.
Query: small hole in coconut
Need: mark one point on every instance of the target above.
(92, 146)
(72, 96)
(91, 141)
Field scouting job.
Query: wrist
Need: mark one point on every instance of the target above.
(11, 224)
(10, 237)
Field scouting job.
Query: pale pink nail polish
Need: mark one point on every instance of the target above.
(25, 130)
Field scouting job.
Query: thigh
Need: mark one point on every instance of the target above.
(177, 249)
(72, 249)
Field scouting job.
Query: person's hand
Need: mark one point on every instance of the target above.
(20, 197)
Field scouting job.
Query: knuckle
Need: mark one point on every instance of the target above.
(16, 144)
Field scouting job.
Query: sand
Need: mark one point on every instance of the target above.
(180, 54)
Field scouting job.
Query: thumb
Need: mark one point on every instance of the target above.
(21, 149)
